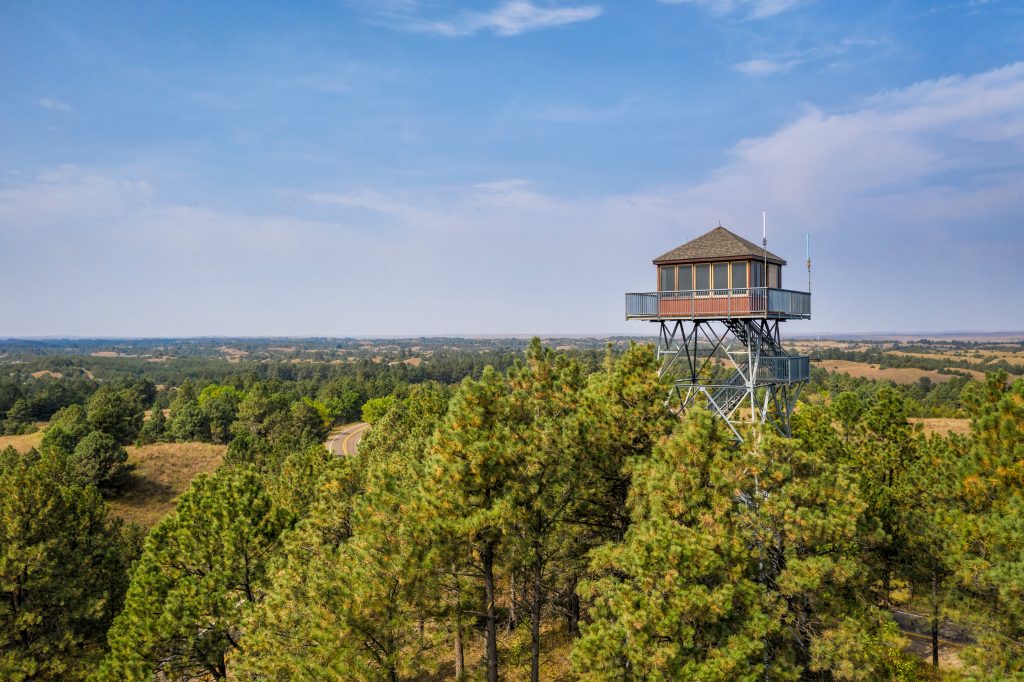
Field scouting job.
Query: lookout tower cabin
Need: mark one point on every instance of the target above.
(719, 302)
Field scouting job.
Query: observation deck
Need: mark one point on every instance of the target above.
(719, 304)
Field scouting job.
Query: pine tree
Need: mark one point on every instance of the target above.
(219, 405)
(186, 420)
(930, 518)
(356, 578)
(622, 416)
(740, 564)
(991, 526)
(63, 570)
(543, 401)
(18, 418)
(100, 461)
(883, 451)
(67, 427)
(154, 429)
(117, 413)
(474, 476)
(203, 567)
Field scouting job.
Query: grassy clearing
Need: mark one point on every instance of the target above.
(163, 471)
(899, 375)
(942, 426)
(24, 442)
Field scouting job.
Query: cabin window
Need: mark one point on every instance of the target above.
(702, 279)
(774, 276)
(739, 275)
(667, 278)
(685, 278)
(720, 272)
(756, 273)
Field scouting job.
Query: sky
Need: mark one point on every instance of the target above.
(424, 167)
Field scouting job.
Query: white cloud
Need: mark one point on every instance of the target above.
(510, 18)
(754, 9)
(785, 61)
(765, 67)
(54, 104)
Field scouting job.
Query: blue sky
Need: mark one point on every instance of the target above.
(408, 167)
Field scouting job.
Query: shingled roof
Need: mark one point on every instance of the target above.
(718, 244)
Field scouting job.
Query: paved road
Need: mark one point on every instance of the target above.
(345, 441)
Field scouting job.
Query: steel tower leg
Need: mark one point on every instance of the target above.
(736, 368)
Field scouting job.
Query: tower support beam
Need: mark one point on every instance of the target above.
(735, 367)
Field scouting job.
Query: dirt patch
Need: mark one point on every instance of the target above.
(107, 354)
(234, 354)
(898, 375)
(46, 373)
(163, 471)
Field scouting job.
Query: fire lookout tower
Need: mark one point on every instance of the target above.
(719, 304)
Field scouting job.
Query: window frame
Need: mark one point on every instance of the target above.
(715, 289)
(679, 278)
(696, 276)
(744, 268)
(666, 270)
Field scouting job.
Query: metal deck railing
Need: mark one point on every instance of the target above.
(718, 304)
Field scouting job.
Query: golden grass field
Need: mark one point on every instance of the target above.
(25, 442)
(942, 426)
(899, 375)
(163, 471)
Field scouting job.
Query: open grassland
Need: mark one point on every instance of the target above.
(162, 472)
(24, 442)
(899, 375)
(942, 426)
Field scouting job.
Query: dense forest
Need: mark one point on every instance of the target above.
(514, 511)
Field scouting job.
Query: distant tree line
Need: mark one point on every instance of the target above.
(923, 398)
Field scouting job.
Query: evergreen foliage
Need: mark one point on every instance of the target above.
(63, 572)
(202, 568)
(551, 498)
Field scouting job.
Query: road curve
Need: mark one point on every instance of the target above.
(346, 440)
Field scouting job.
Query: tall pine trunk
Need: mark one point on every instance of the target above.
(574, 610)
(935, 619)
(492, 640)
(513, 617)
(460, 656)
(535, 615)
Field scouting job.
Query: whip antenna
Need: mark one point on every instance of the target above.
(764, 245)
(808, 263)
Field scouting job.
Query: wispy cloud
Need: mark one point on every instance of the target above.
(754, 9)
(54, 104)
(587, 113)
(510, 18)
(767, 65)
(918, 187)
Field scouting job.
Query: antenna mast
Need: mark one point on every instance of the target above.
(764, 245)
(808, 263)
